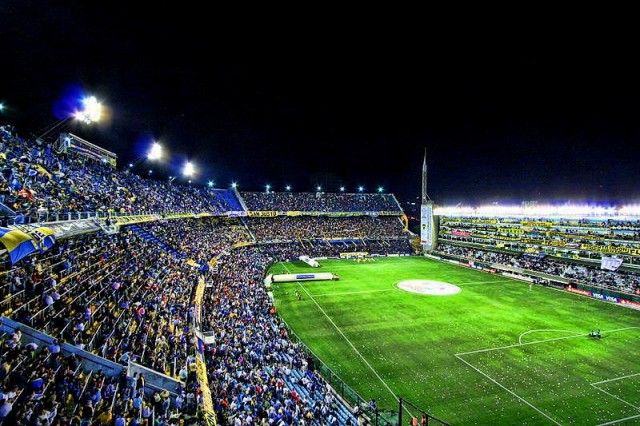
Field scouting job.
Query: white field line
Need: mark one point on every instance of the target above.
(541, 341)
(354, 292)
(613, 422)
(508, 390)
(576, 333)
(459, 356)
(348, 341)
(615, 379)
(616, 397)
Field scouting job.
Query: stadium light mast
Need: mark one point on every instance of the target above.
(427, 225)
(155, 153)
(91, 112)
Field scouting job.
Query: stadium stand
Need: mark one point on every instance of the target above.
(127, 296)
(628, 282)
(319, 202)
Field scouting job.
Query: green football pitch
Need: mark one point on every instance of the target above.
(497, 352)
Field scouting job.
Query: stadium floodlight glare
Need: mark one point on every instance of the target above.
(1, 106)
(319, 188)
(130, 165)
(288, 187)
(380, 189)
(267, 187)
(91, 112)
(150, 172)
(156, 152)
(210, 184)
(342, 189)
(360, 188)
(188, 169)
(234, 184)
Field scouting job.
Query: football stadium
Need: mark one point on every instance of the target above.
(138, 301)
(212, 217)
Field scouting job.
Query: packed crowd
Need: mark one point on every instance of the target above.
(40, 184)
(213, 235)
(257, 374)
(40, 386)
(319, 202)
(283, 228)
(117, 296)
(618, 280)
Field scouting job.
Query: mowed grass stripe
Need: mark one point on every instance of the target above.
(410, 340)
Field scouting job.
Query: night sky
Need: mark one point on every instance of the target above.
(333, 102)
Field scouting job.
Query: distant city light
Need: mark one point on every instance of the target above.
(92, 110)
(156, 152)
(188, 169)
(360, 188)
(342, 189)
(380, 189)
(288, 187)
(234, 184)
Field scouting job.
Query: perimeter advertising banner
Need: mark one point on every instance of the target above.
(426, 226)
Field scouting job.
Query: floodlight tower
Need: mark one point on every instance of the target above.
(427, 225)
(91, 112)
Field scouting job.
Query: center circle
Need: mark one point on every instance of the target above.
(432, 288)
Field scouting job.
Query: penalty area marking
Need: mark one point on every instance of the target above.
(459, 356)
(575, 333)
(597, 386)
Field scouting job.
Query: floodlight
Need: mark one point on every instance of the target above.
(288, 187)
(91, 112)
(188, 169)
(210, 184)
(360, 188)
(1, 106)
(342, 189)
(380, 189)
(319, 188)
(234, 184)
(156, 152)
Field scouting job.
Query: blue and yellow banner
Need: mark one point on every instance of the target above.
(18, 244)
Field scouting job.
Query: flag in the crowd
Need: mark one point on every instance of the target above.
(42, 236)
(43, 170)
(610, 263)
(18, 243)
